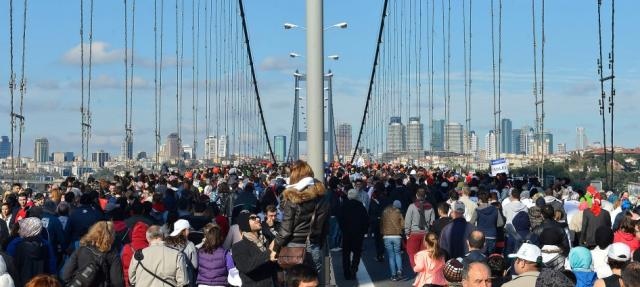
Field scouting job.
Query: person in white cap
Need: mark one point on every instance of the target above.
(618, 256)
(178, 239)
(526, 265)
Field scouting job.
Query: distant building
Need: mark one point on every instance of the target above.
(223, 146)
(5, 147)
(141, 155)
(582, 142)
(41, 151)
(515, 141)
(490, 146)
(396, 141)
(344, 139)
(126, 149)
(415, 134)
(561, 148)
(187, 152)
(172, 149)
(57, 157)
(280, 148)
(473, 143)
(100, 157)
(453, 137)
(505, 136)
(210, 148)
(437, 135)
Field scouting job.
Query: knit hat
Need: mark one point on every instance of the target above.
(397, 204)
(553, 278)
(453, 270)
(540, 201)
(243, 222)
(29, 227)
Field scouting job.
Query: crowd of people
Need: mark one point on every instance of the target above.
(242, 226)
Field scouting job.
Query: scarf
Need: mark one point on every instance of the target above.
(595, 207)
(258, 240)
(302, 184)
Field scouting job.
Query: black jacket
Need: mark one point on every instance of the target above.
(297, 207)
(256, 270)
(110, 273)
(353, 219)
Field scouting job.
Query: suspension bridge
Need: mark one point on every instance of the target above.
(205, 81)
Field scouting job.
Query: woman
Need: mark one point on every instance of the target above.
(627, 233)
(593, 218)
(580, 262)
(32, 254)
(302, 201)
(178, 240)
(96, 250)
(599, 254)
(138, 242)
(391, 227)
(214, 262)
(6, 215)
(429, 263)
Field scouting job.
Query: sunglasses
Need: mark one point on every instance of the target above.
(253, 217)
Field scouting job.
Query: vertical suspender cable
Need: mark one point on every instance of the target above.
(612, 91)
(23, 83)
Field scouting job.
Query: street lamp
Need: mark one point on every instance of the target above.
(296, 55)
(341, 25)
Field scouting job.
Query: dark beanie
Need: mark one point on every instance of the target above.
(540, 202)
(551, 236)
(243, 222)
(604, 237)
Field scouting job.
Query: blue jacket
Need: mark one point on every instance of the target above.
(55, 232)
(80, 220)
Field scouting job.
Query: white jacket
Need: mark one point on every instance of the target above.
(5, 278)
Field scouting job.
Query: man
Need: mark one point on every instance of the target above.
(549, 222)
(470, 206)
(443, 218)
(488, 219)
(270, 225)
(514, 206)
(417, 221)
(363, 194)
(21, 212)
(302, 276)
(81, 219)
(631, 275)
(253, 259)
(476, 274)
(354, 223)
(452, 238)
(158, 264)
(526, 266)
(618, 256)
(475, 244)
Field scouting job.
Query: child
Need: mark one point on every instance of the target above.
(429, 263)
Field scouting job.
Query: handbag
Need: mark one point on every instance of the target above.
(291, 256)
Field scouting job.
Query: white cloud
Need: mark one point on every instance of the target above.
(100, 54)
(276, 64)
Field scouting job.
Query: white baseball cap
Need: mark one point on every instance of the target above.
(619, 252)
(179, 226)
(528, 252)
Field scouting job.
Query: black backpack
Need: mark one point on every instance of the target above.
(88, 274)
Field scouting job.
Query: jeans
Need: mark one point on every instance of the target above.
(489, 246)
(335, 235)
(394, 254)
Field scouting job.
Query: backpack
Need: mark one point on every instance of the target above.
(192, 273)
(87, 276)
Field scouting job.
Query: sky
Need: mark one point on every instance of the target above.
(52, 101)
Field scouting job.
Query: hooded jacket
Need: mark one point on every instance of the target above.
(487, 218)
(5, 278)
(138, 241)
(297, 208)
(626, 238)
(110, 267)
(511, 209)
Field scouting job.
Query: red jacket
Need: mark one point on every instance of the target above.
(627, 238)
(138, 241)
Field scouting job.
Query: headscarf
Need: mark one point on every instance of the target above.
(302, 184)
(580, 259)
(29, 227)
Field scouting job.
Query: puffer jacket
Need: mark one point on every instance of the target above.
(110, 267)
(298, 207)
(212, 268)
(392, 222)
(138, 241)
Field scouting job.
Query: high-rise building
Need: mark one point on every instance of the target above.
(100, 157)
(172, 149)
(57, 157)
(582, 142)
(515, 141)
(396, 141)
(41, 151)
(210, 148)
(280, 148)
(490, 146)
(187, 152)
(415, 134)
(453, 138)
(223, 146)
(126, 149)
(437, 135)
(505, 136)
(546, 144)
(5, 147)
(530, 138)
(473, 143)
(561, 148)
(344, 139)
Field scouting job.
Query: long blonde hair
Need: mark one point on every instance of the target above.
(100, 236)
(431, 242)
(299, 170)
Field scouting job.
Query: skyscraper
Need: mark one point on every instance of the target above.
(454, 133)
(415, 132)
(505, 136)
(396, 141)
(280, 148)
(126, 150)
(530, 138)
(515, 141)
(546, 144)
(582, 142)
(100, 157)
(210, 148)
(223, 146)
(473, 143)
(490, 146)
(561, 148)
(344, 139)
(5, 147)
(437, 136)
(41, 151)
(172, 147)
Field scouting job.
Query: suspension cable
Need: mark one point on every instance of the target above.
(23, 83)
(12, 84)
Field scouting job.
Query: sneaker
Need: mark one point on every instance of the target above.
(394, 278)
(399, 276)
(336, 249)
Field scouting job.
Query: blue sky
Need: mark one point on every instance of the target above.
(53, 97)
